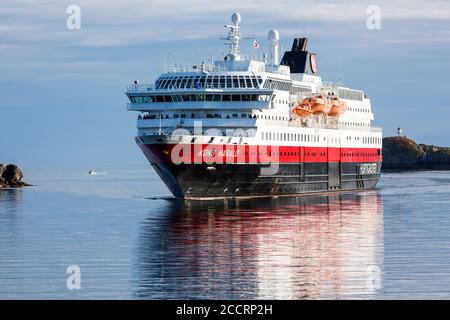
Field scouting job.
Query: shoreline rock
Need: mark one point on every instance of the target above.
(402, 153)
(11, 176)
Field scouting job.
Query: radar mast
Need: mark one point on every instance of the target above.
(234, 38)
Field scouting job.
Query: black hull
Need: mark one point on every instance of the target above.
(245, 180)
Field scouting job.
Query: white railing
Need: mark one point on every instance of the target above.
(140, 87)
(201, 68)
(329, 84)
(297, 122)
(186, 69)
(227, 66)
(281, 70)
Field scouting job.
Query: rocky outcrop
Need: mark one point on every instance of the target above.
(401, 153)
(11, 176)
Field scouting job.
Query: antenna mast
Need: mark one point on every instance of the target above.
(234, 38)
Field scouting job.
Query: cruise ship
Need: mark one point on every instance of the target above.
(256, 127)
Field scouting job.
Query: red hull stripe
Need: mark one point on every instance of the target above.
(209, 153)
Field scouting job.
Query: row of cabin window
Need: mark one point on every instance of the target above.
(298, 90)
(350, 94)
(200, 97)
(366, 140)
(193, 115)
(215, 115)
(276, 84)
(370, 154)
(280, 101)
(268, 136)
(371, 140)
(313, 154)
(356, 124)
(208, 82)
(358, 110)
(278, 118)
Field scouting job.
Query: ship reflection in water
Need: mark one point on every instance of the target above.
(285, 248)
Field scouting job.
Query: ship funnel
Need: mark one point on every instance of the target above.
(273, 36)
(299, 60)
(299, 44)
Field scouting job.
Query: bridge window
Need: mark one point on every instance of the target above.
(228, 82)
(215, 83)
(241, 82)
(235, 82)
(183, 83)
(199, 97)
(248, 81)
(222, 82)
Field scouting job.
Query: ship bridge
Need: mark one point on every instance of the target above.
(235, 92)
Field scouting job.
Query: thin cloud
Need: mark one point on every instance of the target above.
(35, 38)
(116, 23)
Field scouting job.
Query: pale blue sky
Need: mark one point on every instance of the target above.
(62, 90)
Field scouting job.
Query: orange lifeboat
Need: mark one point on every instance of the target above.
(320, 105)
(338, 107)
(303, 109)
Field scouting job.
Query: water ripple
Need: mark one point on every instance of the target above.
(132, 240)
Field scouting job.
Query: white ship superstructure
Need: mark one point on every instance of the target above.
(244, 127)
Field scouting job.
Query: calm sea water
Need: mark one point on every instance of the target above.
(131, 240)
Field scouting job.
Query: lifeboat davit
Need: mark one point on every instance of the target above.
(320, 105)
(303, 109)
(338, 107)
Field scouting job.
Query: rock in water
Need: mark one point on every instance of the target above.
(2, 181)
(401, 153)
(12, 175)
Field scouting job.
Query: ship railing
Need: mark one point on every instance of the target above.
(329, 84)
(140, 87)
(184, 69)
(172, 89)
(281, 70)
(366, 129)
(202, 68)
(224, 66)
(321, 125)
